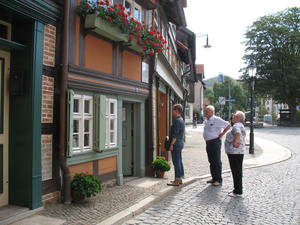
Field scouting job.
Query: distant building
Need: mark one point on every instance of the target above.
(195, 103)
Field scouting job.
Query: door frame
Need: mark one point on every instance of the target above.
(4, 135)
(139, 143)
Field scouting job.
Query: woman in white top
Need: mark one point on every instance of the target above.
(235, 147)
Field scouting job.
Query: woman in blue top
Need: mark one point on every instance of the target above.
(235, 148)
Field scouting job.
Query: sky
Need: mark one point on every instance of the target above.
(226, 22)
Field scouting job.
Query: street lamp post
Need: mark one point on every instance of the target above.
(207, 45)
(252, 72)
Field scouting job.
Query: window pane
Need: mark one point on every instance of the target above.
(86, 140)
(75, 126)
(112, 137)
(86, 106)
(112, 124)
(76, 106)
(112, 108)
(127, 6)
(137, 14)
(86, 125)
(75, 141)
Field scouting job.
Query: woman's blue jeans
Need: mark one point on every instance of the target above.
(177, 161)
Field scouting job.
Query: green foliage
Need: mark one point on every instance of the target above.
(272, 42)
(222, 89)
(86, 185)
(262, 111)
(161, 164)
(298, 116)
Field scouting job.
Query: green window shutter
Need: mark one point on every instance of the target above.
(99, 126)
(70, 123)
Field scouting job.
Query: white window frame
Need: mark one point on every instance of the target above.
(111, 117)
(81, 116)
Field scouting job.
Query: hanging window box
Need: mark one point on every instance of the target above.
(134, 45)
(104, 28)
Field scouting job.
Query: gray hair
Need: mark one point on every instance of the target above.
(211, 108)
(240, 115)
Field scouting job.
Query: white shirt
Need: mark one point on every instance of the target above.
(213, 127)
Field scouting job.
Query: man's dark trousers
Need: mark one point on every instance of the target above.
(213, 149)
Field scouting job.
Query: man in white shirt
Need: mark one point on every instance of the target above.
(214, 128)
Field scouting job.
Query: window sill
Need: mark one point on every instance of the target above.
(91, 155)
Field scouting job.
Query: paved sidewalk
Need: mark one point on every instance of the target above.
(120, 203)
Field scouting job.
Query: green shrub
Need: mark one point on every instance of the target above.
(86, 185)
(161, 164)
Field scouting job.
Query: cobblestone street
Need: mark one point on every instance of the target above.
(272, 194)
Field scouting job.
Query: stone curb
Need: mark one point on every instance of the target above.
(146, 203)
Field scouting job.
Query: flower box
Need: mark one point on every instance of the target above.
(134, 45)
(104, 28)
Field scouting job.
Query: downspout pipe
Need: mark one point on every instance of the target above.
(66, 177)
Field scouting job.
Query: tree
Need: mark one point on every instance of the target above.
(222, 89)
(273, 43)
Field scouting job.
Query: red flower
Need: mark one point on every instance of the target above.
(106, 2)
(145, 48)
(146, 42)
(109, 18)
(151, 53)
(102, 2)
(151, 32)
(110, 9)
(129, 13)
(130, 36)
(124, 19)
(168, 47)
(158, 50)
(132, 19)
(121, 7)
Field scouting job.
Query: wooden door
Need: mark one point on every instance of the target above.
(127, 140)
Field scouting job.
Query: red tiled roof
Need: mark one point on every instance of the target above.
(199, 68)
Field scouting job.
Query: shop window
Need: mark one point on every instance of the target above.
(187, 112)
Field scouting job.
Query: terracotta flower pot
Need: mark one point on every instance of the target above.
(159, 173)
(80, 199)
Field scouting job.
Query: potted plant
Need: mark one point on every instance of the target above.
(83, 186)
(160, 166)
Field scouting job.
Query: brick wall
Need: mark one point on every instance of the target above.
(46, 157)
(47, 99)
(49, 45)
